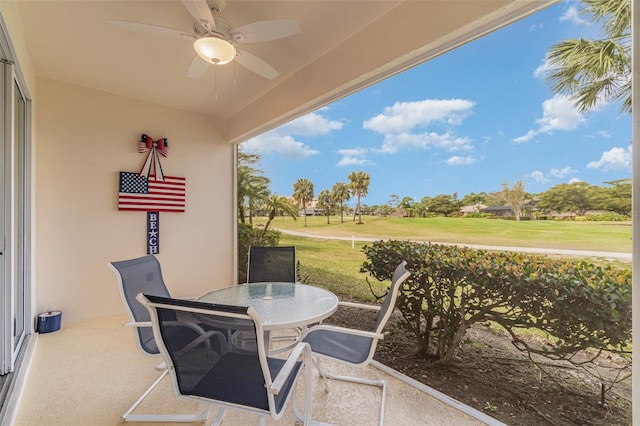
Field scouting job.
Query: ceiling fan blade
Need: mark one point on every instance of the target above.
(265, 30)
(255, 64)
(197, 67)
(152, 29)
(200, 11)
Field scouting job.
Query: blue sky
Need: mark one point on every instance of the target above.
(463, 122)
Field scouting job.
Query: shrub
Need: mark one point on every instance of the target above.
(475, 215)
(607, 217)
(577, 305)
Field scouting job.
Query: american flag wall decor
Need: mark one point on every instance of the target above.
(151, 191)
(139, 193)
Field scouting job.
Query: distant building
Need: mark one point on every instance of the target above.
(498, 210)
(310, 212)
(528, 210)
(472, 209)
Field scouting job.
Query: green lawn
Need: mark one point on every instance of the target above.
(334, 264)
(601, 236)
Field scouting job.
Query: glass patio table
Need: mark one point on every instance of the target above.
(280, 305)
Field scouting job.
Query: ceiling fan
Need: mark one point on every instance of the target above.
(215, 40)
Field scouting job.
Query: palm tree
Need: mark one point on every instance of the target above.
(340, 194)
(253, 186)
(303, 192)
(325, 202)
(359, 187)
(593, 71)
(276, 203)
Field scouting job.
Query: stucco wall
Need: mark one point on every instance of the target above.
(85, 137)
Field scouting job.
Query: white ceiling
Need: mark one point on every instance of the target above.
(342, 46)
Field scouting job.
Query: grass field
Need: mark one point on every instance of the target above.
(601, 236)
(334, 264)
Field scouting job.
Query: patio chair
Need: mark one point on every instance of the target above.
(272, 264)
(275, 264)
(218, 375)
(355, 347)
(144, 275)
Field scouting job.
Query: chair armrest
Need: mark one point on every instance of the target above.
(204, 335)
(204, 338)
(360, 305)
(138, 324)
(301, 349)
(344, 330)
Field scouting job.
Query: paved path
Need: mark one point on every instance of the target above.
(578, 253)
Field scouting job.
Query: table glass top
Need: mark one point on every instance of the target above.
(279, 305)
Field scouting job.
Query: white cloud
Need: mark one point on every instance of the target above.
(351, 161)
(526, 138)
(395, 142)
(539, 177)
(536, 27)
(283, 145)
(561, 173)
(574, 180)
(558, 113)
(404, 125)
(312, 124)
(615, 159)
(353, 156)
(354, 152)
(405, 116)
(282, 140)
(572, 15)
(542, 69)
(457, 160)
(604, 134)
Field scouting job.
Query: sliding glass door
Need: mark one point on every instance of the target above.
(14, 217)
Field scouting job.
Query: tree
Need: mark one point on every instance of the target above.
(407, 206)
(359, 187)
(620, 197)
(473, 199)
(568, 197)
(514, 197)
(385, 210)
(595, 71)
(443, 204)
(325, 202)
(419, 209)
(253, 186)
(303, 192)
(278, 204)
(616, 198)
(340, 194)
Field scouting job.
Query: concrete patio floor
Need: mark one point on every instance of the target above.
(89, 373)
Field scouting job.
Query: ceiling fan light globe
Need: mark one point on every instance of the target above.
(215, 50)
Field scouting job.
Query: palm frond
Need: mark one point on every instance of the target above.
(591, 70)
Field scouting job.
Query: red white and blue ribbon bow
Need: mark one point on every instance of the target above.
(155, 149)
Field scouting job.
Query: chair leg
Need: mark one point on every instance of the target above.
(179, 418)
(323, 373)
(371, 382)
(218, 418)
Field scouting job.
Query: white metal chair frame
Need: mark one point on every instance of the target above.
(128, 416)
(273, 386)
(400, 275)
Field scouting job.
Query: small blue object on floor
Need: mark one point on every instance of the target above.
(49, 321)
